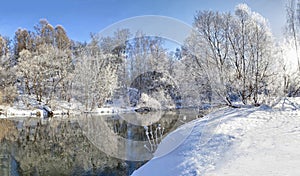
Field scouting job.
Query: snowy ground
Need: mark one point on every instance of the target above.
(28, 106)
(245, 141)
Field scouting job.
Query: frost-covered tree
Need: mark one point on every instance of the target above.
(4, 46)
(95, 76)
(44, 61)
(290, 49)
(45, 33)
(233, 52)
(288, 68)
(24, 71)
(257, 53)
(293, 25)
(193, 84)
(145, 53)
(262, 56)
(8, 90)
(116, 45)
(62, 41)
(211, 44)
(24, 39)
(43, 71)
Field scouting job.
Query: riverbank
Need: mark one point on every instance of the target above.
(27, 106)
(241, 141)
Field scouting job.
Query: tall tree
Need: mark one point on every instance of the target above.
(7, 73)
(45, 33)
(233, 52)
(293, 22)
(95, 77)
(24, 40)
(62, 41)
(46, 66)
(145, 53)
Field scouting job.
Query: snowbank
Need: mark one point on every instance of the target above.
(244, 141)
(28, 106)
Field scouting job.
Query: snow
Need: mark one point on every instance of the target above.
(242, 141)
(28, 107)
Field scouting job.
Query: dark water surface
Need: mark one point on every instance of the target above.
(86, 144)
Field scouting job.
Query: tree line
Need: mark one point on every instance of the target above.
(228, 57)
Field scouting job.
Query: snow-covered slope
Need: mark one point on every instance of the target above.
(244, 141)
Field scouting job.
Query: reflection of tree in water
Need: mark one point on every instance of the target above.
(60, 148)
(159, 86)
(66, 147)
(7, 130)
(153, 133)
(8, 134)
(125, 136)
(119, 126)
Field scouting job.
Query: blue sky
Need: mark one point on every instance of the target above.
(80, 17)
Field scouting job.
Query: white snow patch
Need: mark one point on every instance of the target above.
(244, 141)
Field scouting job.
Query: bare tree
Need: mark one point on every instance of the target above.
(234, 52)
(8, 90)
(293, 22)
(95, 76)
(145, 53)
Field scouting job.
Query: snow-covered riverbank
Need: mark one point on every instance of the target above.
(244, 141)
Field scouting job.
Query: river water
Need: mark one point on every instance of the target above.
(86, 144)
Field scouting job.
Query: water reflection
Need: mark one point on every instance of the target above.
(83, 145)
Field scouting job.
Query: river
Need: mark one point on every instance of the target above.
(86, 144)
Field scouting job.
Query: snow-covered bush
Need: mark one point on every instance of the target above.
(150, 102)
